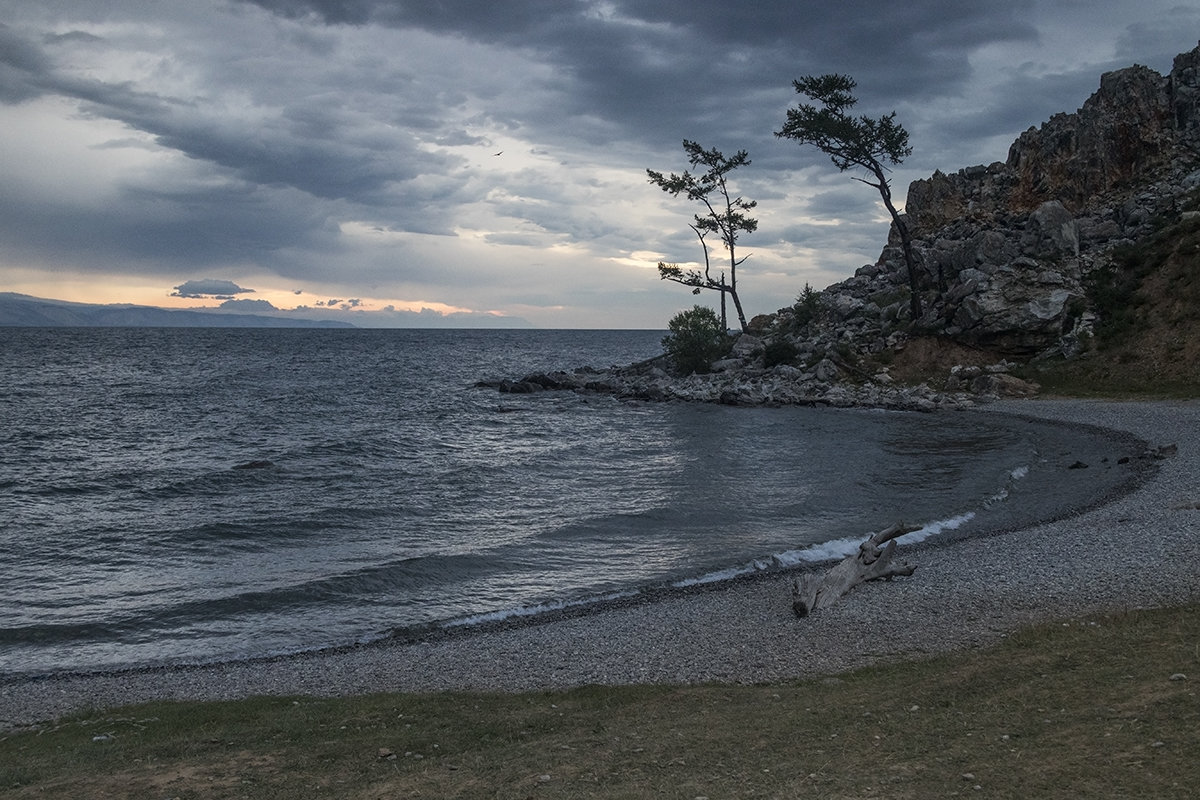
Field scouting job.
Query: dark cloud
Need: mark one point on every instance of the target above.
(457, 137)
(163, 230)
(316, 143)
(335, 12)
(209, 287)
(348, 144)
(1157, 41)
(466, 17)
(72, 36)
(838, 243)
(661, 69)
(516, 239)
(22, 67)
(248, 306)
(313, 149)
(853, 201)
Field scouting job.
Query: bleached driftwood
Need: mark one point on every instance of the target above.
(811, 591)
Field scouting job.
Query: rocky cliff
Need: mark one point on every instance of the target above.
(1007, 254)
(1006, 248)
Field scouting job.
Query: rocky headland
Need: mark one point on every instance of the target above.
(1014, 259)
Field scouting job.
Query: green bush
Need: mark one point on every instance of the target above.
(806, 310)
(696, 340)
(779, 351)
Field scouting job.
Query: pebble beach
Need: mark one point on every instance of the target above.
(1140, 549)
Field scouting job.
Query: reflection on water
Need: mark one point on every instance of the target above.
(398, 495)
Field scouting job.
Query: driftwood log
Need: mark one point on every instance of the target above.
(811, 591)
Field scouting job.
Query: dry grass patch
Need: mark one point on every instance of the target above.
(929, 359)
(1079, 709)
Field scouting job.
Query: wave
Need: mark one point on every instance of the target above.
(538, 609)
(831, 550)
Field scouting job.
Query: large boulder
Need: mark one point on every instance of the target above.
(746, 346)
(1018, 311)
(1051, 232)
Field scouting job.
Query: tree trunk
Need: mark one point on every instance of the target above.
(811, 592)
(737, 305)
(910, 260)
(724, 318)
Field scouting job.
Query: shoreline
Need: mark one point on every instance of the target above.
(1135, 550)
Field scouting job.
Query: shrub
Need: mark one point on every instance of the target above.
(779, 351)
(696, 340)
(1113, 290)
(806, 308)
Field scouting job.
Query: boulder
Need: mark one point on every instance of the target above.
(727, 364)
(1051, 232)
(1013, 314)
(827, 371)
(746, 346)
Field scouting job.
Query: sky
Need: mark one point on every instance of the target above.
(403, 162)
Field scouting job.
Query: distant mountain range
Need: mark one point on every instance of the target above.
(25, 311)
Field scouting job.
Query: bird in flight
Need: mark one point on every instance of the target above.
(498, 154)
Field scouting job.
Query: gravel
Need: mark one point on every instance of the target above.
(1139, 550)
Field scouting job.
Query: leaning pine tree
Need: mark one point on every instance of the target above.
(861, 142)
(724, 215)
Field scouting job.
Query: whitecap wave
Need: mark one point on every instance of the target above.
(533, 610)
(831, 550)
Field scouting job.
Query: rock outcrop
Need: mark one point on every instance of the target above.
(1005, 252)
(747, 384)
(1005, 248)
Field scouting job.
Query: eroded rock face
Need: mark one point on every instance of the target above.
(1185, 93)
(1122, 132)
(1005, 248)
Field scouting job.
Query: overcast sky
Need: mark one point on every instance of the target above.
(490, 156)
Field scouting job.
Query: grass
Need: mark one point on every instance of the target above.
(1080, 709)
(1147, 342)
(1101, 379)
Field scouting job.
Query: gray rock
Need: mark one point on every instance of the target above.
(727, 364)
(747, 345)
(1051, 232)
(826, 371)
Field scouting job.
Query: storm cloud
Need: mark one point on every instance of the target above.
(349, 147)
(208, 287)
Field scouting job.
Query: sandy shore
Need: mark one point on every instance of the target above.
(1140, 550)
